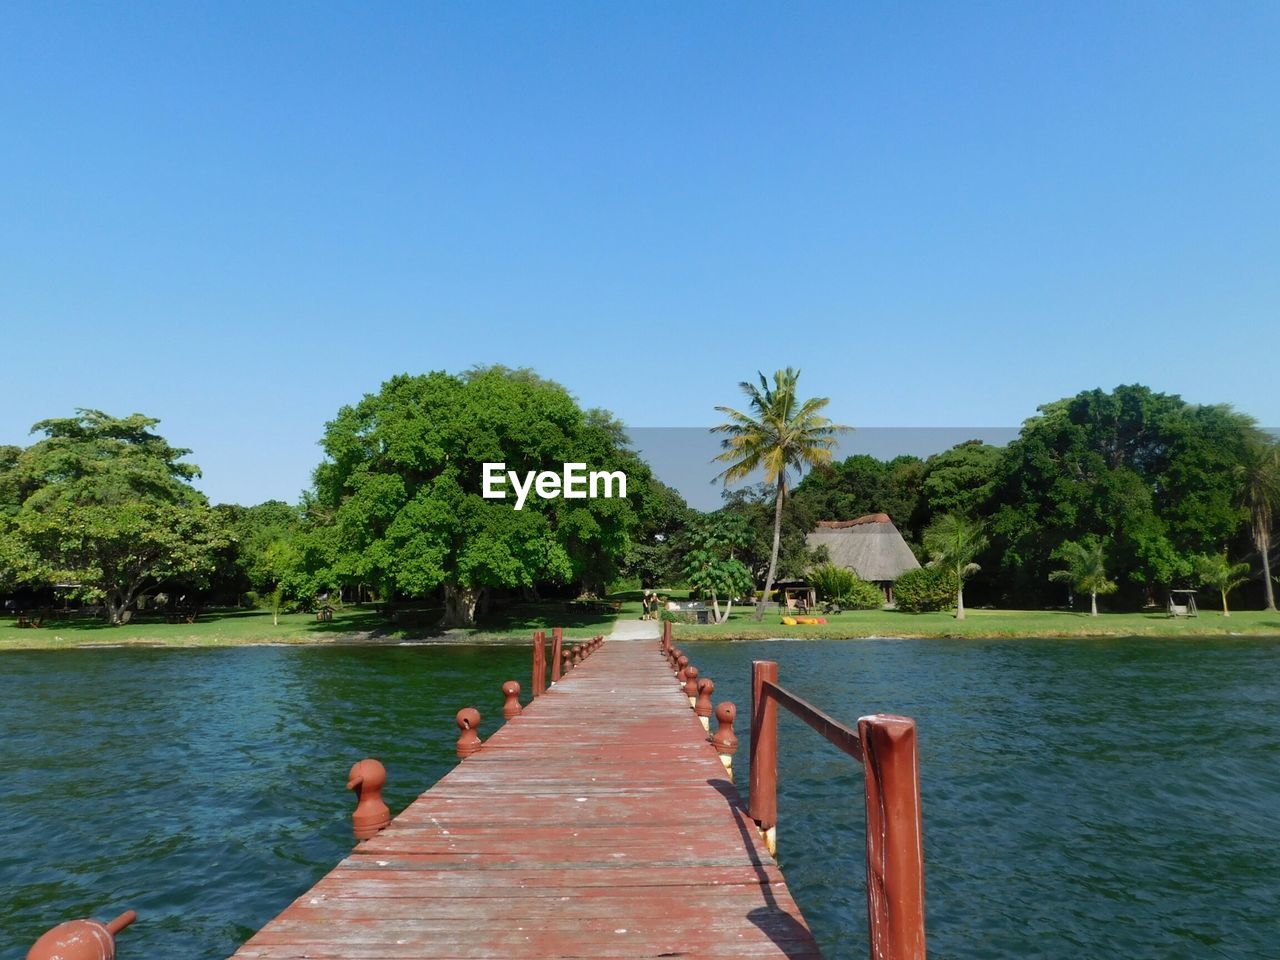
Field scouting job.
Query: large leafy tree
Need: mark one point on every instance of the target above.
(105, 505)
(777, 434)
(398, 502)
(1086, 569)
(953, 542)
(861, 484)
(962, 479)
(1150, 473)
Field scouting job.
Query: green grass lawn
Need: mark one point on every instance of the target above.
(517, 622)
(988, 623)
(351, 624)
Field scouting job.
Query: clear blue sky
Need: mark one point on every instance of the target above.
(239, 216)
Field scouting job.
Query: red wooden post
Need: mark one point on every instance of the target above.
(539, 663)
(557, 644)
(691, 684)
(666, 634)
(81, 940)
(511, 702)
(566, 661)
(763, 791)
(367, 778)
(469, 739)
(702, 706)
(682, 671)
(725, 740)
(895, 837)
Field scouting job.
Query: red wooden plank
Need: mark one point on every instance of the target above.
(598, 823)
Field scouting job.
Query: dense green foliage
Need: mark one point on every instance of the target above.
(103, 507)
(925, 590)
(1159, 480)
(1129, 491)
(398, 497)
(845, 588)
(711, 564)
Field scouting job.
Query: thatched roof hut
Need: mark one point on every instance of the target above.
(870, 546)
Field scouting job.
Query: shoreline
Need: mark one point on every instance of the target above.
(682, 633)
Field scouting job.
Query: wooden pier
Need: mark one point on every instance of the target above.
(598, 823)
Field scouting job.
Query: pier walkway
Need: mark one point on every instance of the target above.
(598, 823)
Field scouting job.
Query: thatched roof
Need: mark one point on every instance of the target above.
(870, 546)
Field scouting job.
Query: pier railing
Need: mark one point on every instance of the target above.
(886, 747)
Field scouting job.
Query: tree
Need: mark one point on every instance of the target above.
(778, 433)
(398, 500)
(962, 479)
(710, 562)
(1153, 475)
(1086, 569)
(106, 504)
(1260, 491)
(953, 541)
(1218, 573)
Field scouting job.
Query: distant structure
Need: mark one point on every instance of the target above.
(870, 546)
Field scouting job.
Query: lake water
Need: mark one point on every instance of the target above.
(1112, 798)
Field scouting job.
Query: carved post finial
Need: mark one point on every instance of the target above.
(367, 778)
(703, 705)
(725, 740)
(81, 940)
(511, 704)
(691, 684)
(468, 720)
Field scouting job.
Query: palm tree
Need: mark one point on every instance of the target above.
(778, 433)
(1260, 491)
(1221, 574)
(1086, 569)
(953, 541)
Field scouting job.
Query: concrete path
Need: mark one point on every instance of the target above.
(636, 630)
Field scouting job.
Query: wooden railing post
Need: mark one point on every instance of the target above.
(557, 642)
(895, 846)
(763, 796)
(539, 663)
(666, 635)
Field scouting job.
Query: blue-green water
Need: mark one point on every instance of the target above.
(1082, 798)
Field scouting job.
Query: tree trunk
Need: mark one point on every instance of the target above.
(1225, 611)
(117, 602)
(960, 600)
(1265, 548)
(715, 606)
(459, 606)
(1093, 603)
(728, 609)
(115, 610)
(777, 541)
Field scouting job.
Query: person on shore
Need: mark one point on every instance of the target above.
(645, 603)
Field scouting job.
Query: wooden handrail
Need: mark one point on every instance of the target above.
(833, 731)
(886, 746)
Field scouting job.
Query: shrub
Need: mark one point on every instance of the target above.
(846, 588)
(864, 595)
(832, 582)
(926, 589)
